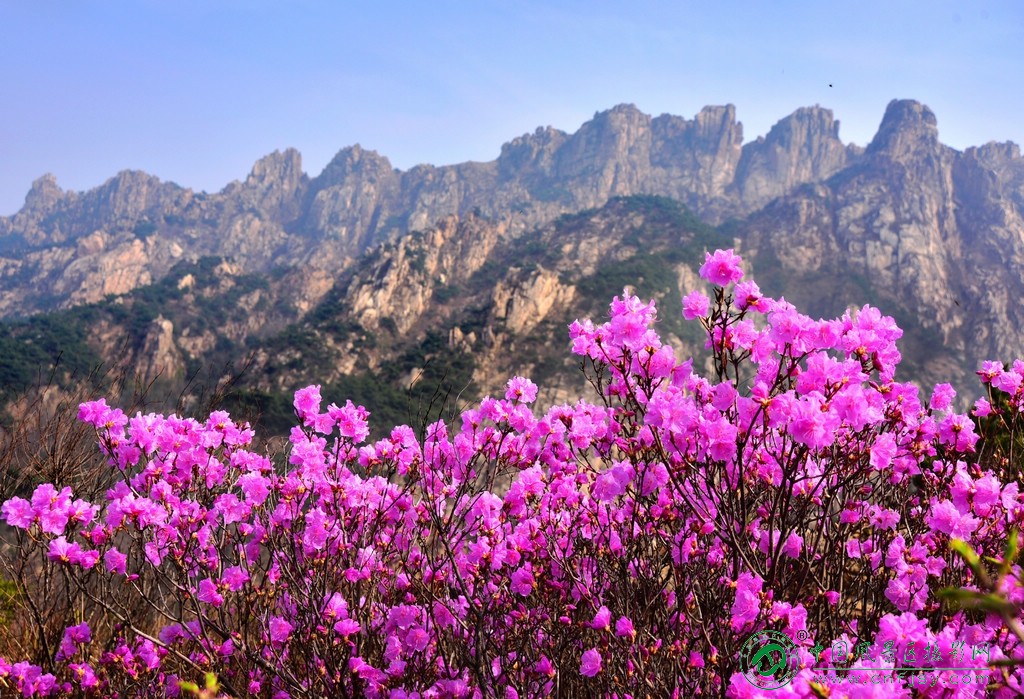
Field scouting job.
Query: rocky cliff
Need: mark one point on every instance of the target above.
(131, 231)
(371, 279)
(935, 234)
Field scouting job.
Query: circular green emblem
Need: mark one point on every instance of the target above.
(768, 659)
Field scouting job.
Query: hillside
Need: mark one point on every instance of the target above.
(369, 280)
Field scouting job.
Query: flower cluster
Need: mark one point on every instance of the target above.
(626, 547)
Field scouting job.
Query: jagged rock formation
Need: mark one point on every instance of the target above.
(366, 277)
(804, 147)
(279, 216)
(935, 233)
(466, 293)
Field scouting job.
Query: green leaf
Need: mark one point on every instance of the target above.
(211, 682)
(971, 557)
(983, 601)
(1012, 551)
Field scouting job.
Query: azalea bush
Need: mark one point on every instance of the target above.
(624, 547)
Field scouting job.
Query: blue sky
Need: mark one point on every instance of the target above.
(195, 92)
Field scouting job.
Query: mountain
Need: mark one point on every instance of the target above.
(369, 279)
(132, 230)
(934, 235)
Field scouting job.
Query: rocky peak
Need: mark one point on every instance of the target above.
(354, 160)
(530, 154)
(909, 130)
(805, 126)
(993, 153)
(283, 170)
(128, 195)
(1004, 160)
(803, 147)
(609, 136)
(717, 125)
(45, 194)
(697, 157)
(349, 198)
(275, 183)
(617, 118)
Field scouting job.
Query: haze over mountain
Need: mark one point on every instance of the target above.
(324, 279)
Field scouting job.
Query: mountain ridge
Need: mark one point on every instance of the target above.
(363, 254)
(359, 199)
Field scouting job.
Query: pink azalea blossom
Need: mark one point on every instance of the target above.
(722, 267)
(590, 663)
(280, 629)
(747, 605)
(115, 561)
(695, 305)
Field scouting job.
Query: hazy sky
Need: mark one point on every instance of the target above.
(196, 91)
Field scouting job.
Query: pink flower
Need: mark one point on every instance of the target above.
(958, 431)
(307, 402)
(84, 675)
(208, 593)
(590, 663)
(52, 508)
(942, 397)
(146, 653)
(749, 296)
(747, 604)
(346, 627)
(115, 561)
(946, 518)
(18, 513)
(722, 267)
(602, 620)
(989, 371)
(280, 630)
(351, 420)
(794, 544)
(613, 482)
(255, 486)
(882, 518)
(314, 538)
(695, 305)
(89, 558)
(520, 389)
(883, 451)
(404, 616)
(522, 581)
(62, 551)
(721, 435)
(624, 627)
(1007, 381)
(74, 636)
(655, 476)
(814, 424)
(335, 607)
(235, 578)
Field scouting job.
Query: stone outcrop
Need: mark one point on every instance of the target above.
(161, 358)
(803, 147)
(521, 304)
(934, 234)
(280, 216)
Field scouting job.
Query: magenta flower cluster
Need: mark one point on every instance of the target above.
(626, 548)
